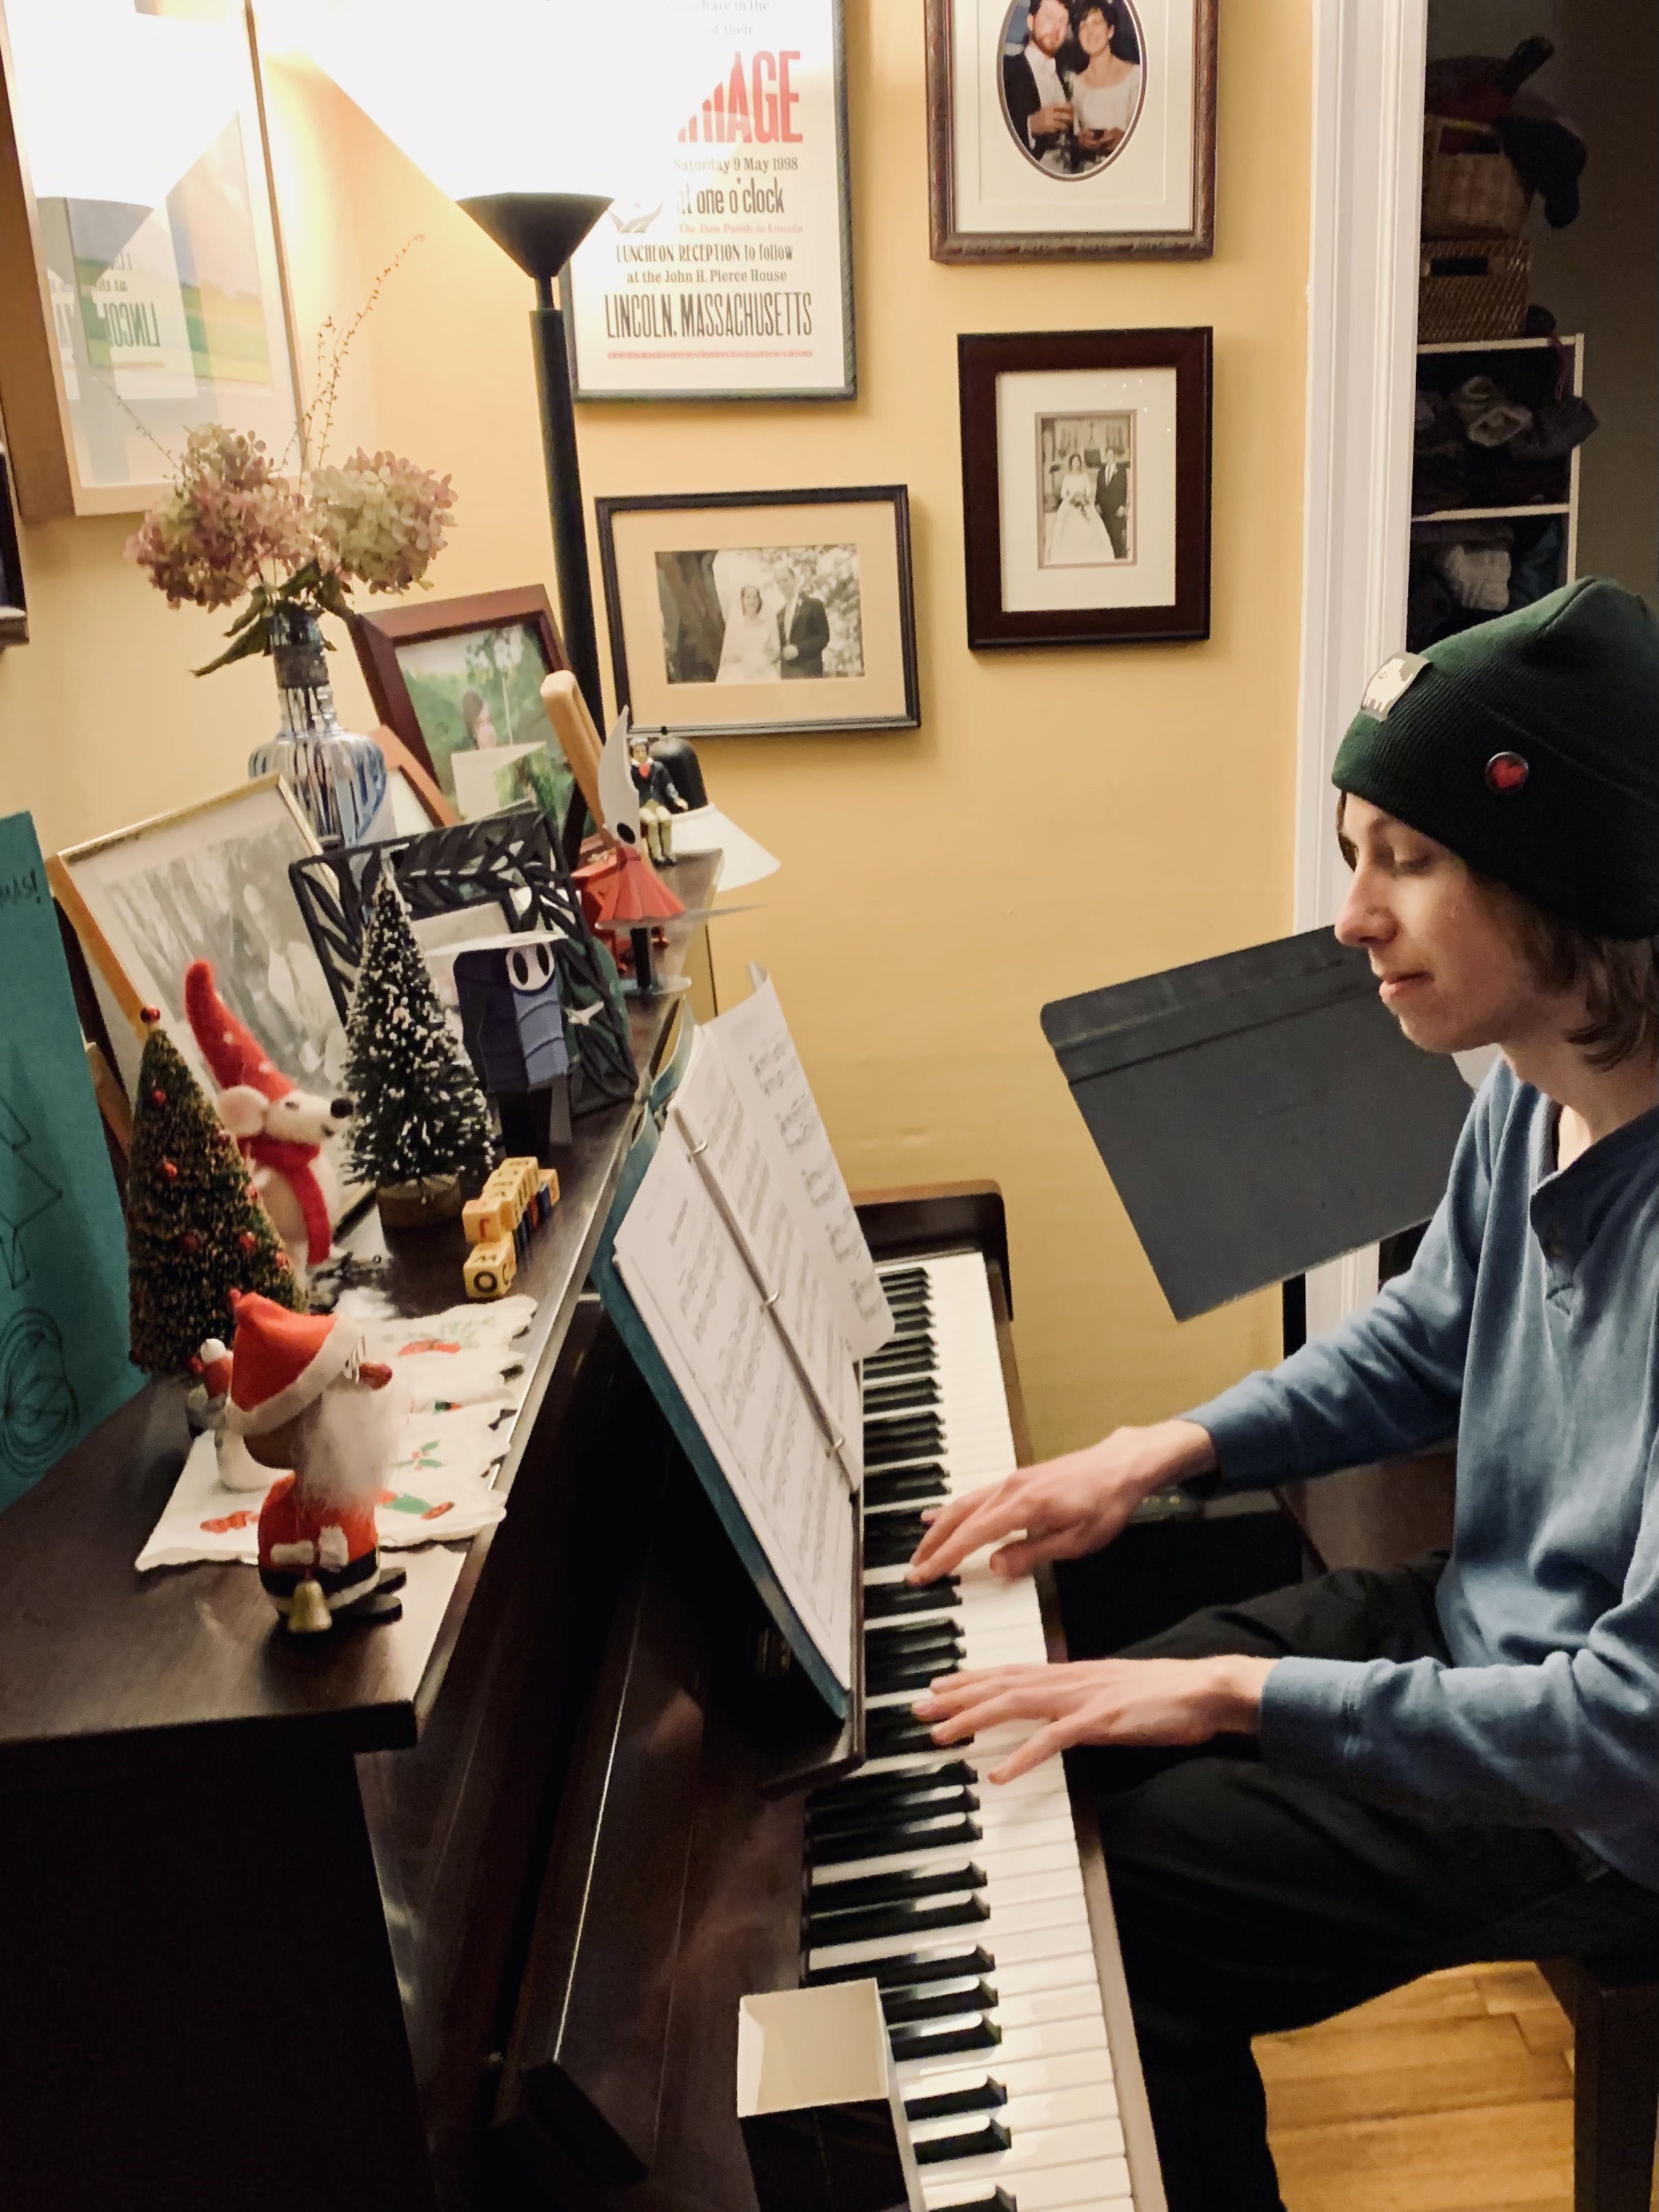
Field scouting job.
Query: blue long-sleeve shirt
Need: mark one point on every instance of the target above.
(1528, 1324)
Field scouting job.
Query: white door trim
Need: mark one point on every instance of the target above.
(1365, 212)
(1366, 203)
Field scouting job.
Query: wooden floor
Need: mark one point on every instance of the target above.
(1452, 2095)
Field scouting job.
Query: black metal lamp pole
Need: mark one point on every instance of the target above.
(541, 231)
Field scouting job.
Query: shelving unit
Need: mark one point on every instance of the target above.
(1463, 358)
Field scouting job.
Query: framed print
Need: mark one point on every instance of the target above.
(735, 614)
(727, 274)
(209, 883)
(458, 682)
(1086, 486)
(145, 290)
(1071, 129)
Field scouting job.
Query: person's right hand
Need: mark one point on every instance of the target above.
(1048, 120)
(1065, 1507)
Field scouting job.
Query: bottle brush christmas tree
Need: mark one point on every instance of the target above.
(421, 1118)
(196, 1229)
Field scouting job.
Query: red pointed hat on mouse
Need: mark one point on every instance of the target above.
(230, 1047)
(281, 1362)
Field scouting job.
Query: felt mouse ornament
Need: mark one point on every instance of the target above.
(307, 1404)
(279, 1127)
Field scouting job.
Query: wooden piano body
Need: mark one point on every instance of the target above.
(452, 1913)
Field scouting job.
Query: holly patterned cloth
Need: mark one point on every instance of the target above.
(466, 1384)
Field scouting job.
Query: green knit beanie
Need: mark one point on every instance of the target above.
(1529, 746)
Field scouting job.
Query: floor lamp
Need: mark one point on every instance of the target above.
(540, 231)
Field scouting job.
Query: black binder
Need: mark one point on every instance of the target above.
(1259, 1114)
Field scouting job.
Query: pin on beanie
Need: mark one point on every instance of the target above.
(1529, 746)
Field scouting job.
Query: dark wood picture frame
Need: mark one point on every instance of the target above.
(896, 495)
(947, 243)
(981, 358)
(377, 636)
(13, 605)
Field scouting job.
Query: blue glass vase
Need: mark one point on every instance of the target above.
(338, 778)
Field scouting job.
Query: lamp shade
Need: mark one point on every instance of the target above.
(540, 230)
(115, 106)
(502, 99)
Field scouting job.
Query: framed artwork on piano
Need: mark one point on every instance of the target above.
(762, 613)
(1071, 130)
(457, 685)
(1086, 486)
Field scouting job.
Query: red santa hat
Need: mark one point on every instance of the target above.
(281, 1361)
(247, 1080)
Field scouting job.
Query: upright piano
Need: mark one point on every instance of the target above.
(457, 1912)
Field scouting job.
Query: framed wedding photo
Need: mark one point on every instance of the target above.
(751, 613)
(459, 682)
(1086, 486)
(1079, 130)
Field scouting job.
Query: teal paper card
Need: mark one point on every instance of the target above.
(63, 1365)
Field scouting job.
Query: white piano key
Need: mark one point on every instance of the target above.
(1052, 2041)
(1103, 2187)
(996, 1858)
(1037, 2150)
(1055, 1921)
(1029, 2077)
(1046, 2108)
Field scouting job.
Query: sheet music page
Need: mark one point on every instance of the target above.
(685, 1273)
(759, 1055)
(729, 1144)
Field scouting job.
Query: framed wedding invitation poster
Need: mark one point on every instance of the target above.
(729, 274)
(1071, 129)
(1085, 477)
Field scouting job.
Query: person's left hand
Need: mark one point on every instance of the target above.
(1133, 1701)
(792, 653)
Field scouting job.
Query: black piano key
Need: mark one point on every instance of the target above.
(911, 1799)
(899, 1642)
(842, 1844)
(925, 2043)
(998, 2201)
(890, 1601)
(824, 1899)
(905, 1437)
(891, 1538)
(885, 1681)
(902, 1393)
(910, 1970)
(916, 1355)
(891, 1739)
(918, 1484)
(987, 2098)
(892, 1920)
(942, 2004)
(868, 1789)
(916, 1800)
(979, 2142)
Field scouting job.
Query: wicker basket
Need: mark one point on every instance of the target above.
(1471, 189)
(1472, 288)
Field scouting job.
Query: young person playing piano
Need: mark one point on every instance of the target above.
(1374, 1775)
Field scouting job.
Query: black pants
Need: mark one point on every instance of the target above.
(1250, 1900)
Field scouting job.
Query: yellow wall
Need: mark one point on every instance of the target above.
(1061, 820)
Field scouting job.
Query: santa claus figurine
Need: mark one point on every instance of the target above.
(303, 1397)
(279, 1127)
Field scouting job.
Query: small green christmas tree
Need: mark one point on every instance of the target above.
(420, 1111)
(196, 1229)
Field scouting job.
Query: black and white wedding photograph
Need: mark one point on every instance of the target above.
(1086, 488)
(761, 614)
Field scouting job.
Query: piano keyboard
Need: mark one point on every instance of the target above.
(964, 1901)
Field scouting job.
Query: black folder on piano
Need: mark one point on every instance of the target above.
(1259, 1114)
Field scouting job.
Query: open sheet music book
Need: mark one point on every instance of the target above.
(746, 1264)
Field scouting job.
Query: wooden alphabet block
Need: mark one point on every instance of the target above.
(489, 1269)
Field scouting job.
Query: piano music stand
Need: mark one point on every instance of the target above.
(1259, 1114)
